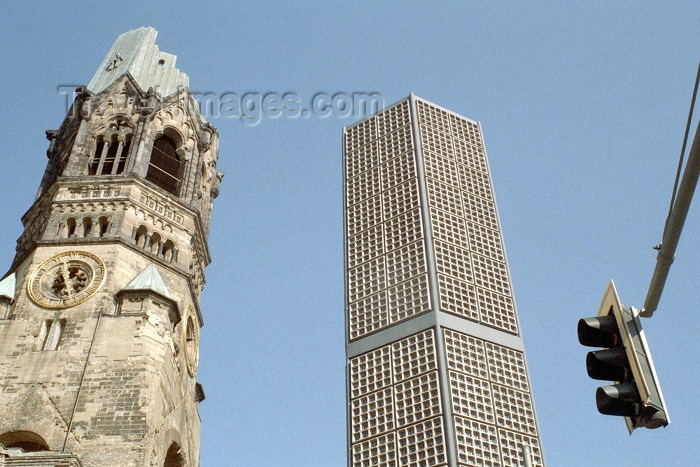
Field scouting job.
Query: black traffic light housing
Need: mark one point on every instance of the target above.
(626, 360)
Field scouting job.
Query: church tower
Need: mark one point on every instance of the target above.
(436, 368)
(100, 310)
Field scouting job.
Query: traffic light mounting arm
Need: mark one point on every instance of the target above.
(676, 217)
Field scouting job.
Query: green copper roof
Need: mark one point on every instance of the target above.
(7, 287)
(149, 279)
(136, 52)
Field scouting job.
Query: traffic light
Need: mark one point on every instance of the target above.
(625, 359)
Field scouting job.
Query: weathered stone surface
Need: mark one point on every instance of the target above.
(105, 379)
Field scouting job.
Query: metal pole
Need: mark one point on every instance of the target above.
(674, 227)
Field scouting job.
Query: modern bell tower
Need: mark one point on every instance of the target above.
(100, 310)
(436, 369)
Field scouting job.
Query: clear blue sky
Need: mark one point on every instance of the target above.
(583, 109)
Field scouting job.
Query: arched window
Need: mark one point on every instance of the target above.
(51, 332)
(96, 157)
(174, 458)
(104, 226)
(164, 166)
(121, 161)
(27, 440)
(45, 326)
(110, 156)
(87, 227)
(168, 250)
(71, 224)
(140, 236)
(155, 243)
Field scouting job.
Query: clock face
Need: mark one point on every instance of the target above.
(190, 333)
(66, 280)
